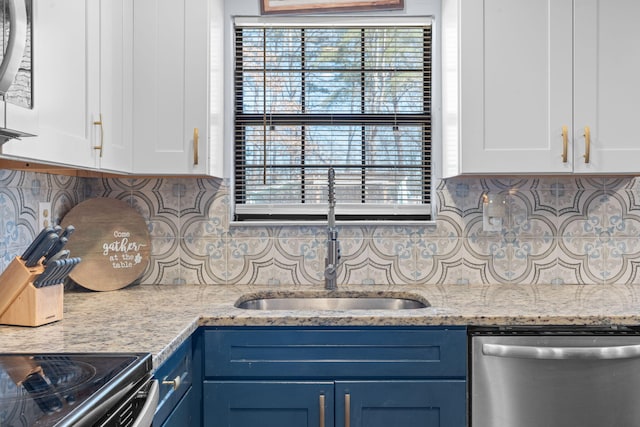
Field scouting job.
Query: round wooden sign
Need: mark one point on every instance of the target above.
(113, 241)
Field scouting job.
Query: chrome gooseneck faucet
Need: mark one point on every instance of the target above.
(333, 246)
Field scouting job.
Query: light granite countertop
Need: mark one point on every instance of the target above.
(158, 318)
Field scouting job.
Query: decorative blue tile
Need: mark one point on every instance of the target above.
(559, 230)
(10, 178)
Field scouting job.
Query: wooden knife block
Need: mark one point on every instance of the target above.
(23, 304)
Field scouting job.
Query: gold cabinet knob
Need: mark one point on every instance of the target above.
(174, 383)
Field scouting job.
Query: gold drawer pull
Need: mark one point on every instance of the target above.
(347, 410)
(321, 403)
(587, 144)
(565, 143)
(196, 136)
(99, 123)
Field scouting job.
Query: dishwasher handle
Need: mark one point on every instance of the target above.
(561, 353)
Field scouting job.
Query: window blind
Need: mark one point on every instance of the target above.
(355, 98)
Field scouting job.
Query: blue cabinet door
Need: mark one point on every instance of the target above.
(185, 414)
(176, 376)
(268, 404)
(424, 403)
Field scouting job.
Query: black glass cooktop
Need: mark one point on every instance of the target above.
(65, 389)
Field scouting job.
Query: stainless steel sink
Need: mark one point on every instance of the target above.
(347, 301)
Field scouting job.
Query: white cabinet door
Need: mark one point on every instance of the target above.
(114, 81)
(61, 87)
(83, 76)
(507, 74)
(171, 86)
(607, 93)
(518, 72)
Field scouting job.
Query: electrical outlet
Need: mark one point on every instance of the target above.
(44, 215)
(493, 212)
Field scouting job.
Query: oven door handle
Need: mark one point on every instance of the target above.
(145, 417)
(561, 353)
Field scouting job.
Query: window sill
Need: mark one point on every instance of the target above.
(315, 223)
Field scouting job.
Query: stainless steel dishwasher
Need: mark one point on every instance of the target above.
(555, 377)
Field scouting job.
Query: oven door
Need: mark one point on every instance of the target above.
(137, 409)
(555, 381)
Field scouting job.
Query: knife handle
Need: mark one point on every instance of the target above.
(68, 231)
(63, 254)
(42, 249)
(38, 239)
(59, 272)
(70, 265)
(55, 248)
(48, 273)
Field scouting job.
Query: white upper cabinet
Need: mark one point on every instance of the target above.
(111, 74)
(523, 79)
(606, 88)
(82, 62)
(173, 45)
(61, 87)
(126, 87)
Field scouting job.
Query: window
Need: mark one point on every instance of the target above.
(353, 97)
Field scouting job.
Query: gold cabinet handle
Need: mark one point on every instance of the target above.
(174, 383)
(347, 410)
(321, 403)
(99, 123)
(587, 144)
(196, 135)
(565, 143)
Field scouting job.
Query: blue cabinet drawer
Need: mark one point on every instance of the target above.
(336, 353)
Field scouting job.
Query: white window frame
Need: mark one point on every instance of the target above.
(419, 11)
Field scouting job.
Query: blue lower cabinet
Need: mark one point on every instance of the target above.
(335, 377)
(186, 413)
(424, 403)
(180, 378)
(268, 404)
(341, 404)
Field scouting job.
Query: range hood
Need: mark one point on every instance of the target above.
(13, 52)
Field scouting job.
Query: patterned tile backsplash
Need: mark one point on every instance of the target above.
(556, 230)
